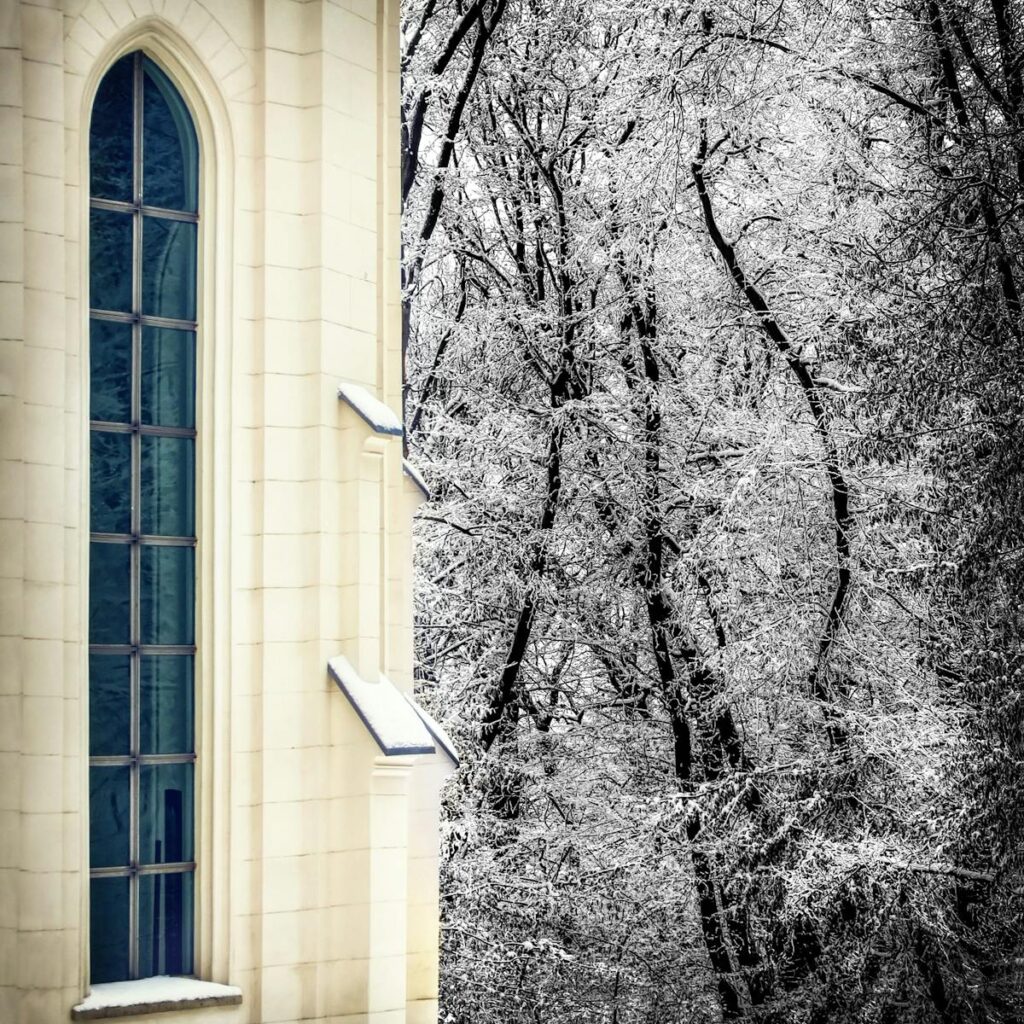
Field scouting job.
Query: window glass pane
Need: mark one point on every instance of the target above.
(110, 261)
(110, 134)
(110, 482)
(143, 810)
(109, 593)
(108, 929)
(168, 268)
(109, 704)
(168, 377)
(168, 500)
(108, 816)
(167, 587)
(166, 704)
(165, 924)
(169, 148)
(110, 371)
(165, 813)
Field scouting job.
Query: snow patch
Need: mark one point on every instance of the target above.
(414, 474)
(378, 415)
(436, 730)
(392, 721)
(153, 992)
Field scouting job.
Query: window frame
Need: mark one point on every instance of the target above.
(215, 127)
(135, 760)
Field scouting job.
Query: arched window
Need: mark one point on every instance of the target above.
(144, 215)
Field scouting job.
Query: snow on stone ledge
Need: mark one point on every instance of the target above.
(378, 415)
(391, 720)
(153, 995)
(436, 730)
(414, 474)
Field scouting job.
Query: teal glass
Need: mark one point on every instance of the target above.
(166, 709)
(110, 482)
(109, 593)
(165, 813)
(168, 268)
(166, 923)
(170, 150)
(168, 377)
(142, 704)
(110, 261)
(109, 816)
(168, 499)
(167, 595)
(110, 371)
(109, 925)
(109, 705)
(110, 134)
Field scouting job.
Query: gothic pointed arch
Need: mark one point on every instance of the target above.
(144, 213)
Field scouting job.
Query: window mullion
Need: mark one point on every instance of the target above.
(136, 458)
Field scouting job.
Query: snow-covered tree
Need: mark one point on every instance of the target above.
(714, 369)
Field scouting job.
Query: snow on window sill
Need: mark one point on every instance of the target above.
(153, 995)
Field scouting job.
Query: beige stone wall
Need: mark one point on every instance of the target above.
(309, 897)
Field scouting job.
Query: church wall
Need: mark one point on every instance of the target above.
(303, 827)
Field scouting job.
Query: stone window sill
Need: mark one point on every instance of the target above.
(153, 995)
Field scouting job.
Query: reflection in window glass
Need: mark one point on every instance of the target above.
(165, 830)
(109, 705)
(168, 476)
(168, 268)
(110, 479)
(110, 371)
(110, 260)
(166, 923)
(109, 815)
(109, 925)
(109, 594)
(166, 696)
(168, 377)
(110, 136)
(167, 595)
(169, 147)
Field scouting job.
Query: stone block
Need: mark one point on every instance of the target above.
(40, 901)
(348, 878)
(289, 993)
(42, 782)
(42, 837)
(42, 724)
(290, 884)
(292, 937)
(292, 828)
(43, 86)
